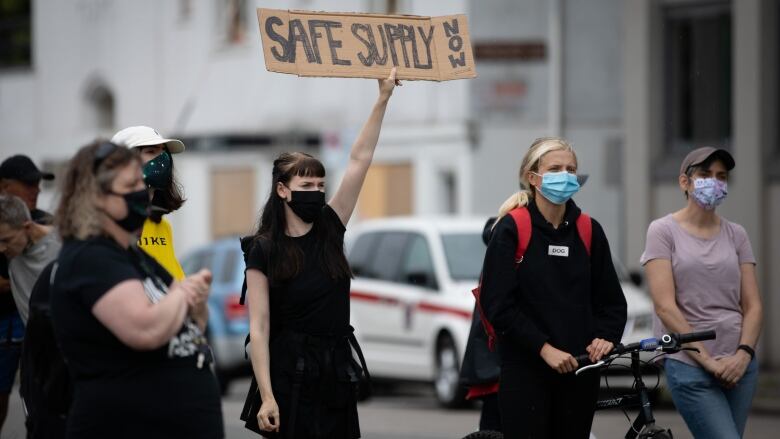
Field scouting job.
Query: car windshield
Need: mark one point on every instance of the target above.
(464, 253)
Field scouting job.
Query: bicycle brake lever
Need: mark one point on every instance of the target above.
(691, 349)
(589, 367)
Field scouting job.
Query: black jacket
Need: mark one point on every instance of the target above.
(564, 301)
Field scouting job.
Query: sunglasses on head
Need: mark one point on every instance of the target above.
(104, 150)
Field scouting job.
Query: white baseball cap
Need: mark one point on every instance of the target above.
(133, 137)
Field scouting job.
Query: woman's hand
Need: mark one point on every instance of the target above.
(268, 415)
(557, 359)
(733, 368)
(197, 288)
(386, 86)
(598, 348)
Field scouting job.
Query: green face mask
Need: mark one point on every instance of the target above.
(158, 172)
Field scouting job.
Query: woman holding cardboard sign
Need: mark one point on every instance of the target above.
(305, 378)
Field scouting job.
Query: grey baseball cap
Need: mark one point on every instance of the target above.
(701, 155)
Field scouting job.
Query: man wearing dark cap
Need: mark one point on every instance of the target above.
(21, 178)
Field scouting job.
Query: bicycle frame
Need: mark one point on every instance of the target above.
(645, 421)
(644, 424)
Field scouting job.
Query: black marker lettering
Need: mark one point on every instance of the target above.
(313, 35)
(456, 43)
(451, 29)
(269, 30)
(392, 34)
(427, 42)
(298, 34)
(407, 35)
(368, 59)
(458, 61)
(335, 44)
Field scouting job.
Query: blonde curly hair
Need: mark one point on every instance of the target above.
(87, 177)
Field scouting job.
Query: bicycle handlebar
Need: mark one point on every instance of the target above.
(668, 343)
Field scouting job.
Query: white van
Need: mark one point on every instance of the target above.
(411, 301)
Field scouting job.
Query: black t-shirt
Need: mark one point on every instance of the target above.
(113, 382)
(312, 302)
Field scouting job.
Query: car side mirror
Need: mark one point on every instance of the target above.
(636, 278)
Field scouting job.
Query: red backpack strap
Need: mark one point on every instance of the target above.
(585, 230)
(523, 223)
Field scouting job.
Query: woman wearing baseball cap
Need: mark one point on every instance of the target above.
(701, 273)
(157, 156)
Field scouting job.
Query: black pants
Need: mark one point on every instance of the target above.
(490, 418)
(537, 402)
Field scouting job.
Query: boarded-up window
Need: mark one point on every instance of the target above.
(232, 201)
(387, 191)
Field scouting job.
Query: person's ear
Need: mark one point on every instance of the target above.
(684, 181)
(282, 191)
(533, 179)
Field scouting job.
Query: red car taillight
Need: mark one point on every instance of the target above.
(233, 309)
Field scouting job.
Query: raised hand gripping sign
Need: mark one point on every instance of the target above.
(352, 45)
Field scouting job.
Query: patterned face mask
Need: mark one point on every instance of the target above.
(709, 192)
(158, 172)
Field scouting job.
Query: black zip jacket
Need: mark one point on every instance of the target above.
(566, 301)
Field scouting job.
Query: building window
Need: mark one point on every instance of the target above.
(15, 33)
(233, 21)
(100, 108)
(697, 76)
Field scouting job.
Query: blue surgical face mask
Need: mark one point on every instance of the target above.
(558, 187)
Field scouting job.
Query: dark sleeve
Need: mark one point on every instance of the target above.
(609, 303)
(96, 270)
(499, 286)
(331, 218)
(256, 258)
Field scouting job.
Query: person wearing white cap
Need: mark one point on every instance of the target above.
(156, 153)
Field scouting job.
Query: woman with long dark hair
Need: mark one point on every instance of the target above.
(156, 154)
(298, 283)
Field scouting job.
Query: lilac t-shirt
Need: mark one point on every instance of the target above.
(707, 280)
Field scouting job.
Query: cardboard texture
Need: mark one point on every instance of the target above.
(351, 45)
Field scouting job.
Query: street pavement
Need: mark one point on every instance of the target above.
(410, 412)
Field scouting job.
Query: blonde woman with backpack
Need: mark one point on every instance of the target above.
(560, 300)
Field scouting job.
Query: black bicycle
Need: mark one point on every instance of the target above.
(643, 426)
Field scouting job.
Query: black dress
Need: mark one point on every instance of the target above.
(120, 392)
(313, 374)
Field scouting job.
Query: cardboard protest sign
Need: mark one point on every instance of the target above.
(366, 45)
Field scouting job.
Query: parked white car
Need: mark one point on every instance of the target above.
(411, 301)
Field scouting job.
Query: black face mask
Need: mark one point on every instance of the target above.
(137, 210)
(307, 204)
